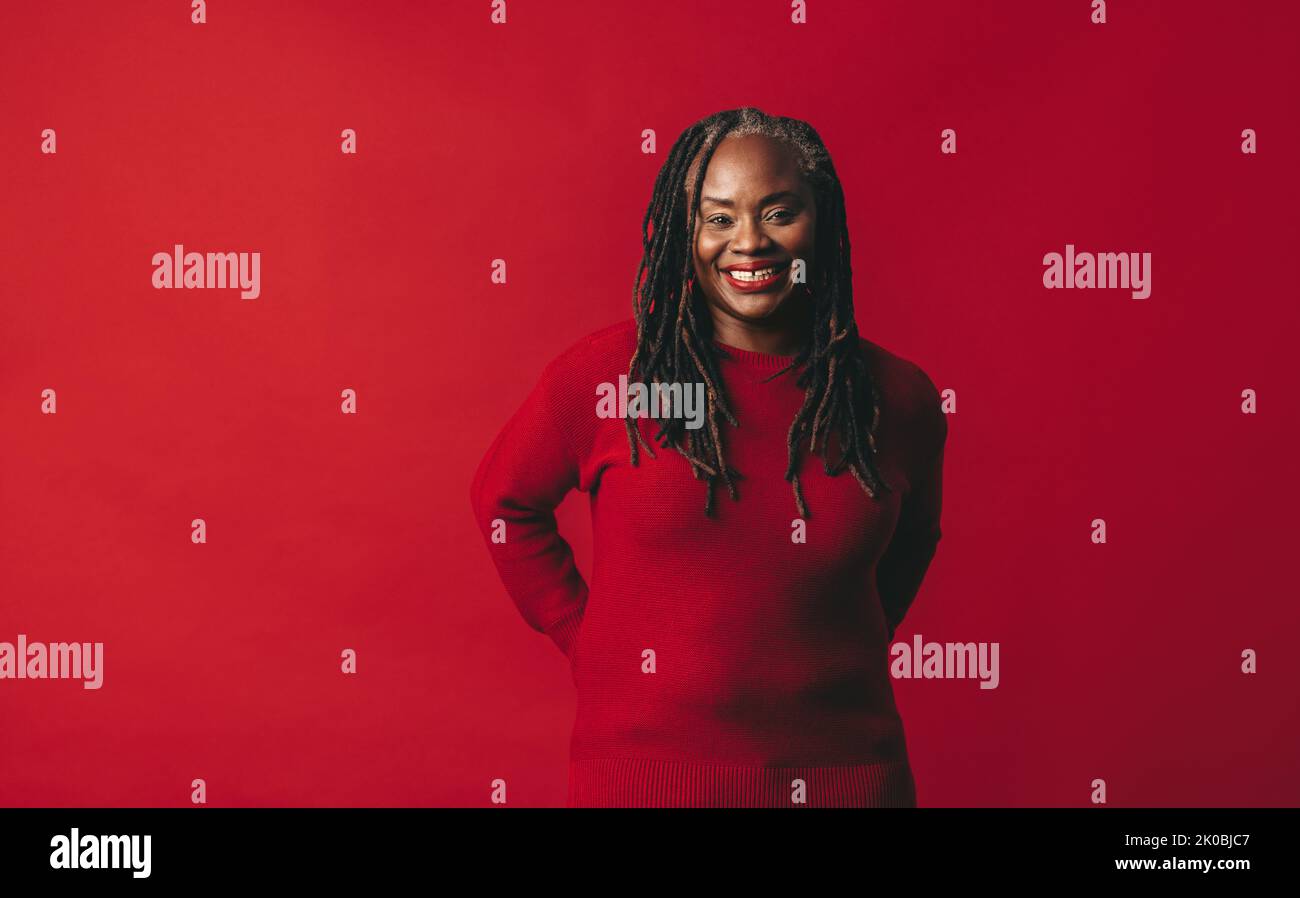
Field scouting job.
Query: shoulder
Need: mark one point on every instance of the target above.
(572, 376)
(608, 349)
(909, 391)
(575, 377)
(894, 370)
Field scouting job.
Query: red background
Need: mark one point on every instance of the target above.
(326, 531)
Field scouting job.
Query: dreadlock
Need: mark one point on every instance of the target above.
(674, 330)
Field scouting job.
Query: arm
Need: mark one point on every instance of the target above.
(916, 538)
(525, 474)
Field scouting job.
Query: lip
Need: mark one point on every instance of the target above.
(755, 286)
(757, 265)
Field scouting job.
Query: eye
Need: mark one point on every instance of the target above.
(713, 219)
(786, 212)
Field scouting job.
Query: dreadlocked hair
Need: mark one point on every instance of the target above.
(674, 329)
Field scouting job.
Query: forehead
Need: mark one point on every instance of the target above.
(752, 162)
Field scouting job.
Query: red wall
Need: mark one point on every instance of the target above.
(328, 531)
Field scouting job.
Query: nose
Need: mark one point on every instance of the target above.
(749, 236)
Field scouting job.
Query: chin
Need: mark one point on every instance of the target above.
(754, 308)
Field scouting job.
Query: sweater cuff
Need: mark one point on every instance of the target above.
(564, 632)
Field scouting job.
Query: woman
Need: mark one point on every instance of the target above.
(730, 651)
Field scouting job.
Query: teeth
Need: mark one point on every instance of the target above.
(760, 275)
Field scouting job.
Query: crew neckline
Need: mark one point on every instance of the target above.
(766, 360)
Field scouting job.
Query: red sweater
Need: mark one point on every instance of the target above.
(717, 661)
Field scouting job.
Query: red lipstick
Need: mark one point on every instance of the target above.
(751, 284)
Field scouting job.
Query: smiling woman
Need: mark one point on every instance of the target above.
(757, 216)
(730, 655)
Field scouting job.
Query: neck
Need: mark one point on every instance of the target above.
(783, 334)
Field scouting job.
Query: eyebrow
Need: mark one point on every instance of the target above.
(763, 202)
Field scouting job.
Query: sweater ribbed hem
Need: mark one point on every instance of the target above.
(564, 631)
(644, 783)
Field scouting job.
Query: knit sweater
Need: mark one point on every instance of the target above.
(719, 661)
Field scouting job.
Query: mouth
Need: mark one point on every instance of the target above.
(755, 279)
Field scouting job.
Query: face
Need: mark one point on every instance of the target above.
(757, 215)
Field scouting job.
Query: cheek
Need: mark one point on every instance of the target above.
(806, 240)
(706, 251)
